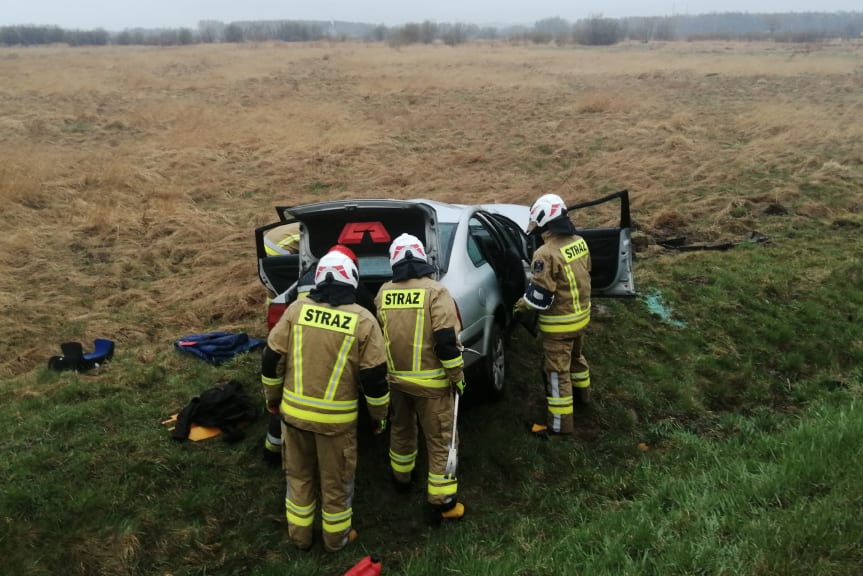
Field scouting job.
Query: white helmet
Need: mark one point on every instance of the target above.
(336, 266)
(547, 207)
(404, 245)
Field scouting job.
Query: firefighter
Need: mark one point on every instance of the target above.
(284, 239)
(425, 370)
(278, 241)
(560, 290)
(322, 351)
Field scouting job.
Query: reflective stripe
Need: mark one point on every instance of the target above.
(309, 416)
(580, 379)
(387, 340)
(312, 402)
(272, 443)
(403, 463)
(303, 294)
(440, 486)
(453, 362)
(559, 404)
(338, 367)
(298, 359)
(418, 340)
(278, 248)
(336, 522)
(378, 400)
(289, 239)
(300, 515)
(272, 382)
(427, 382)
(433, 373)
(554, 384)
(564, 322)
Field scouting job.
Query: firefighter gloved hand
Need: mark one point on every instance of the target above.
(273, 406)
(459, 386)
(520, 306)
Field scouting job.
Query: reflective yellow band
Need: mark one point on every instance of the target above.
(560, 409)
(428, 374)
(303, 294)
(564, 318)
(575, 250)
(299, 520)
(298, 359)
(312, 402)
(427, 382)
(401, 462)
(309, 416)
(267, 381)
(328, 319)
(439, 486)
(289, 239)
(453, 362)
(301, 510)
(414, 298)
(336, 522)
(271, 445)
(580, 379)
(332, 527)
(300, 515)
(559, 401)
(556, 324)
(339, 367)
(379, 401)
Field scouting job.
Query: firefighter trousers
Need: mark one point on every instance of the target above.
(434, 416)
(315, 463)
(565, 368)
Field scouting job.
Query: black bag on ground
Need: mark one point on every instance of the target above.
(225, 406)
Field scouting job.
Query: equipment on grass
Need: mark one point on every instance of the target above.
(368, 566)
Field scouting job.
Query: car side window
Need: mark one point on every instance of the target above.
(473, 250)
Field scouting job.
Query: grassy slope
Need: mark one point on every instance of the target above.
(750, 413)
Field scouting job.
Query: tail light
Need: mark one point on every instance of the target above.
(274, 312)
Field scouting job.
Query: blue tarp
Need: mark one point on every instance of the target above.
(217, 347)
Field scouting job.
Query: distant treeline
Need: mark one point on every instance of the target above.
(596, 30)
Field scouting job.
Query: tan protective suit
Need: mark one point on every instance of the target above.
(561, 269)
(323, 350)
(282, 240)
(420, 370)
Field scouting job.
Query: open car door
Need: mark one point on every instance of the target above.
(609, 238)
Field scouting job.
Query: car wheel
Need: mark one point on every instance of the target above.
(494, 365)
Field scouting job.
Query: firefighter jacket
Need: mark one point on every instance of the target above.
(560, 284)
(420, 325)
(282, 240)
(323, 355)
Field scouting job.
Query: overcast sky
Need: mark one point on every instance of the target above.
(119, 14)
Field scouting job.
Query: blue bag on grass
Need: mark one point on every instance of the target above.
(217, 347)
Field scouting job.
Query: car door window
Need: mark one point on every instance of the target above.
(473, 250)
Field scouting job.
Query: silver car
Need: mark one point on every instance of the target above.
(481, 253)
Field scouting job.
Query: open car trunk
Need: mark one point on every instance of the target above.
(365, 226)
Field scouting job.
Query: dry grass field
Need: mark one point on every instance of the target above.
(131, 178)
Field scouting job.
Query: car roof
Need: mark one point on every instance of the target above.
(451, 213)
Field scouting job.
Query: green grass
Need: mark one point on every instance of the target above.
(750, 414)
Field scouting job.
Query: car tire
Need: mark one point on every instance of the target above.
(494, 365)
